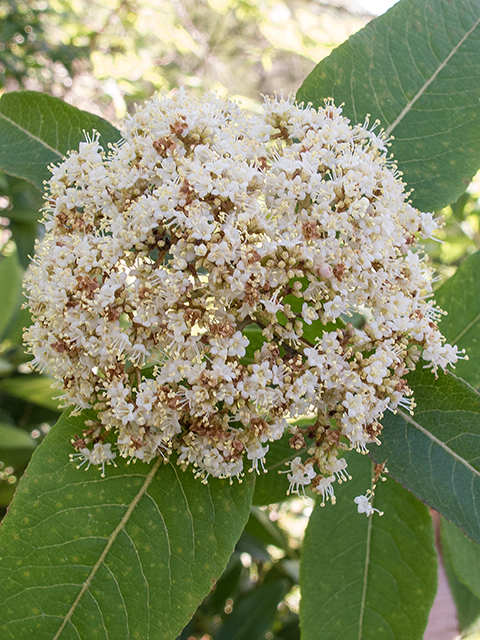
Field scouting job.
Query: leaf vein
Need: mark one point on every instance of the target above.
(423, 88)
(31, 135)
(188, 510)
(111, 540)
(365, 578)
(467, 328)
(438, 442)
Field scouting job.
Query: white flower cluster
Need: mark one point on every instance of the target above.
(195, 283)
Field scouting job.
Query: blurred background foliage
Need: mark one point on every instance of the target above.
(104, 57)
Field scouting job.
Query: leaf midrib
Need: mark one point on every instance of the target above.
(111, 540)
(422, 89)
(467, 328)
(365, 576)
(438, 442)
(31, 135)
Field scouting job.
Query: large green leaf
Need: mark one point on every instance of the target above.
(436, 452)
(14, 333)
(32, 388)
(37, 129)
(464, 556)
(466, 603)
(130, 555)
(10, 290)
(368, 578)
(24, 234)
(461, 558)
(416, 69)
(460, 297)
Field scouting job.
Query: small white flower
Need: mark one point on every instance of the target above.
(325, 489)
(238, 345)
(257, 455)
(364, 505)
(308, 313)
(100, 455)
(273, 305)
(299, 475)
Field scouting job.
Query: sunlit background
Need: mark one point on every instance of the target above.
(377, 7)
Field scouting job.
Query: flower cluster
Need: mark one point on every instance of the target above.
(200, 286)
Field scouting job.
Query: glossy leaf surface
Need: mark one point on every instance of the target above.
(16, 445)
(32, 388)
(273, 485)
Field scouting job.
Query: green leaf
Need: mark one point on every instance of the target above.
(253, 547)
(436, 452)
(417, 70)
(369, 577)
(16, 445)
(14, 438)
(37, 129)
(272, 486)
(25, 201)
(253, 616)
(464, 556)
(23, 213)
(14, 333)
(10, 290)
(32, 388)
(6, 367)
(130, 555)
(466, 602)
(460, 297)
(24, 235)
